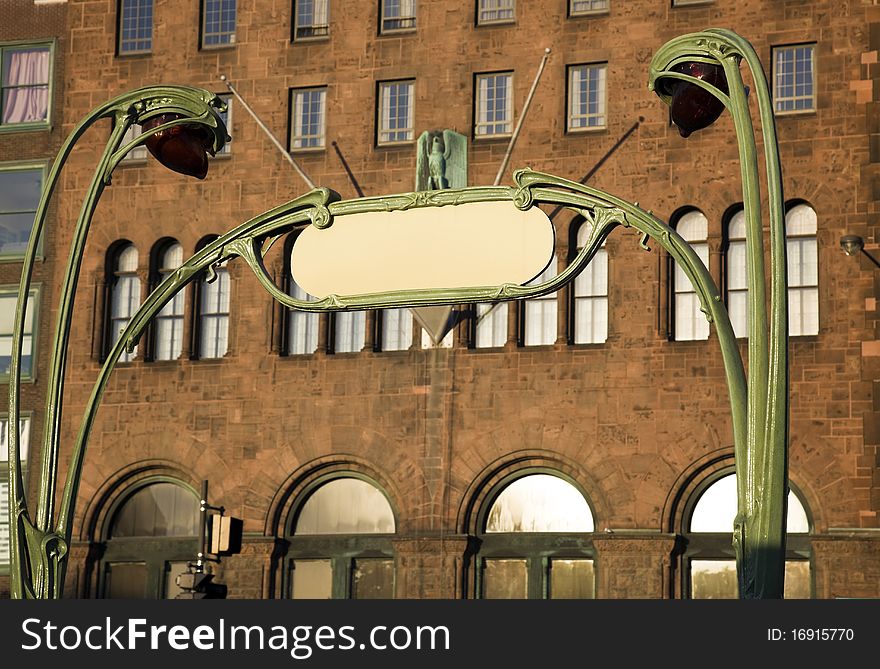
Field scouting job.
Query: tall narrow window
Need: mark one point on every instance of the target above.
(736, 276)
(138, 153)
(135, 26)
(584, 7)
(793, 79)
(214, 314)
(803, 271)
(398, 15)
(24, 440)
(591, 295)
(540, 312)
(496, 11)
(226, 117)
(340, 543)
(586, 97)
(396, 113)
(20, 189)
(397, 329)
(8, 304)
(307, 120)
(168, 343)
(302, 326)
(710, 559)
(310, 19)
(125, 295)
(491, 327)
(535, 542)
(218, 22)
(349, 331)
(494, 104)
(689, 323)
(24, 85)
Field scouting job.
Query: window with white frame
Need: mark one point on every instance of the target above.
(586, 96)
(20, 190)
(8, 304)
(397, 329)
(491, 326)
(396, 111)
(689, 323)
(494, 104)
(803, 271)
(125, 295)
(138, 153)
(583, 7)
(540, 312)
(398, 15)
(710, 562)
(794, 78)
(135, 26)
(214, 314)
(591, 295)
(24, 85)
(496, 11)
(307, 118)
(736, 274)
(682, 3)
(310, 19)
(302, 326)
(226, 117)
(218, 22)
(23, 441)
(168, 324)
(349, 331)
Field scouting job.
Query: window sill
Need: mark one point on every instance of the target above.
(589, 130)
(310, 39)
(310, 149)
(495, 137)
(409, 143)
(497, 22)
(590, 14)
(218, 47)
(25, 127)
(394, 32)
(133, 54)
(795, 112)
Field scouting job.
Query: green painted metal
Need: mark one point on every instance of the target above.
(759, 416)
(762, 451)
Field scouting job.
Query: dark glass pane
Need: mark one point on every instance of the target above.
(158, 510)
(373, 578)
(505, 579)
(311, 579)
(571, 579)
(126, 580)
(713, 579)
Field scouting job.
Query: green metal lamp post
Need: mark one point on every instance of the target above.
(181, 124)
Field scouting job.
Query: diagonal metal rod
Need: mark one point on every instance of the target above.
(264, 128)
(347, 169)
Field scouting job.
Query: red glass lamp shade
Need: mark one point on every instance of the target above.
(182, 148)
(694, 108)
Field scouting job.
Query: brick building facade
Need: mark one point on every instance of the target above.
(637, 421)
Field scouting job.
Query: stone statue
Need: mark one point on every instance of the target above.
(441, 160)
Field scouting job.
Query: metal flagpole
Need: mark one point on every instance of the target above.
(285, 152)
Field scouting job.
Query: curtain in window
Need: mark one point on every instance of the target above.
(214, 330)
(25, 85)
(690, 323)
(591, 295)
(397, 329)
(541, 312)
(491, 325)
(169, 321)
(125, 297)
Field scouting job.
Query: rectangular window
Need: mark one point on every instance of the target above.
(689, 322)
(491, 330)
(307, 118)
(214, 316)
(582, 7)
(24, 85)
(397, 329)
(8, 303)
(226, 117)
(218, 22)
(540, 312)
(138, 153)
(496, 11)
(494, 107)
(135, 26)
(591, 295)
(302, 326)
(24, 438)
(398, 15)
(802, 256)
(736, 277)
(793, 79)
(20, 190)
(586, 96)
(396, 102)
(349, 331)
(310, 19)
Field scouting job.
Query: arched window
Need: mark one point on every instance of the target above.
(539, 313)
(151, 537)
(735, 275)
(688, 322)
(340, 542)
(590, 295)
(535, 535)
(710, 560)
(212, 326)
(803, 270)
(125, 294)
(168, 328)
(302, 326)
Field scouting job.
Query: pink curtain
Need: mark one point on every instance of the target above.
(29, 70)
